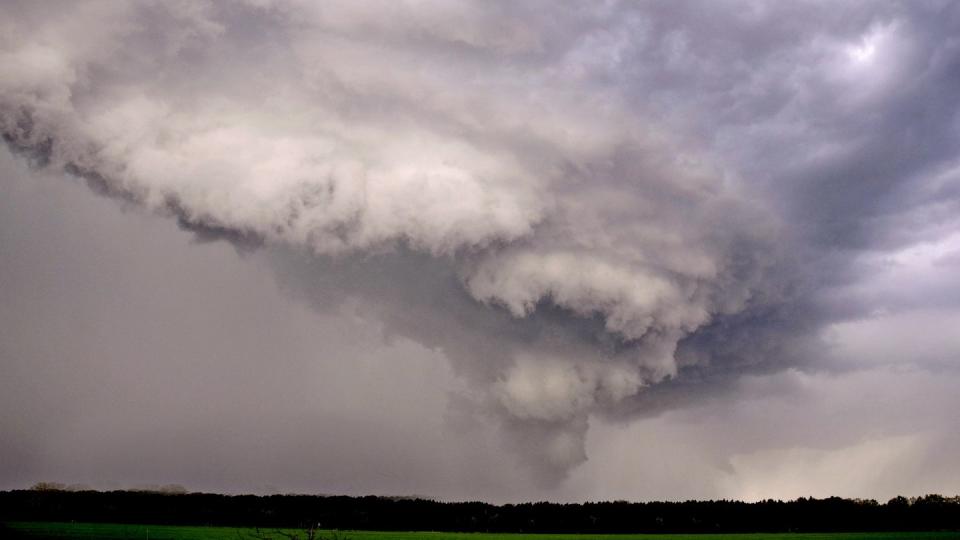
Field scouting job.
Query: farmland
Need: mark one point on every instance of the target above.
(107, 531)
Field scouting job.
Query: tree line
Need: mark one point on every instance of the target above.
(173, 507)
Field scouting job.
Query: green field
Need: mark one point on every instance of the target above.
(167, 532)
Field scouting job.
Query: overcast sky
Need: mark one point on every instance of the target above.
(482, 250)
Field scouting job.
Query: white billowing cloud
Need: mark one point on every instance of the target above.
(328, 129)
(552, 390)
(631, 299)
(541, 152)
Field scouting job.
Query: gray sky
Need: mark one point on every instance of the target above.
(475, 250)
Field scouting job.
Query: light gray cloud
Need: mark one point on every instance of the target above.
(603, 211)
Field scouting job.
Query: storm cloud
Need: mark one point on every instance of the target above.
(600, 214)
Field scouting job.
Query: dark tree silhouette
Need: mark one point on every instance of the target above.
(308, 513)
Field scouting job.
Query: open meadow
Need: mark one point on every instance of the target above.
(109, 531)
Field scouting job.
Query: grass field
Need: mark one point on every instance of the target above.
(109, 531)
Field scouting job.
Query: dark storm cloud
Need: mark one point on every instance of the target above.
(843, 115)
(610, 211)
